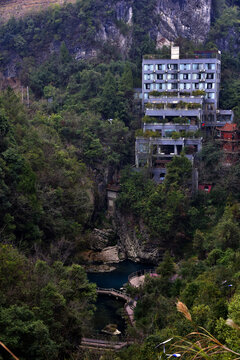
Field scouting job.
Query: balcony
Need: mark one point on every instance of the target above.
(174, 112)
(176, 99)
(163, 128)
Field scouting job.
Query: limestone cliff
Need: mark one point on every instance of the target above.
(134, 242)
(185, 18)
(115, 21)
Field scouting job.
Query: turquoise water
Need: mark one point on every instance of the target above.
(115, 279)
(109, 309)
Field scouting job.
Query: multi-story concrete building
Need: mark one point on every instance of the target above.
(180, 96)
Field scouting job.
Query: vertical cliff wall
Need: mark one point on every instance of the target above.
(186, 18)
(91, 27)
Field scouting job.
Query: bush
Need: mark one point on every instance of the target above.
(155, 93)
(198, 93)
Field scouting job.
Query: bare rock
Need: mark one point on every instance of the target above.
(100, 239)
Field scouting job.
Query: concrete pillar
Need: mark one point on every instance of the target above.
(136, 155)
(175, 149)
(194, 180)
(136, 161)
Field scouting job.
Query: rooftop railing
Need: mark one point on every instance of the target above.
(196, 55)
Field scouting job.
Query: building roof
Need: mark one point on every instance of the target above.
(228, 127)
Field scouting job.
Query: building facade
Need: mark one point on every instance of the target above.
(229, 140)
(179, 97)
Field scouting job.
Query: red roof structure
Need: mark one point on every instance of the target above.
(229, 138)
(228, 128)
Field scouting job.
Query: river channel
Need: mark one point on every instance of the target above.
(109, 309)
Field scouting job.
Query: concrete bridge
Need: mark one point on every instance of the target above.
(114, 292)
(104, 344)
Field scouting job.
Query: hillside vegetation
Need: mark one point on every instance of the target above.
(20, 8)
(57, 156)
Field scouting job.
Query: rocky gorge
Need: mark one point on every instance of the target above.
(125, 240)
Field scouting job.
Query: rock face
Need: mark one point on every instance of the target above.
(115, 25)
(134, 241)
(169, 19)
(101, 239)
(183, 18)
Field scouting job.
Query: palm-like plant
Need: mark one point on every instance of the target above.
(200, 344)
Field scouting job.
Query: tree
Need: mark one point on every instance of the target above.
(227, 232)
(178, 171)
(109, 96)
(167, 267)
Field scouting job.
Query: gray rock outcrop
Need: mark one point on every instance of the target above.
(183, 18)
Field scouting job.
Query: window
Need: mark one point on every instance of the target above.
(209, 86)
(147, 86)
(148, 67)
(185, 66)
(196, 86)
(162, 86)
(174, 76)
(161, 67)
(185, 86)
(147, 76)
(210, 107)
(185, 76)
(210, 76)
(196, 66)
(145, 95)
(211, 95)
(143, 148)
(196, 76)
(159, 76)
(172, 66)
(174, 86)
(210, 66)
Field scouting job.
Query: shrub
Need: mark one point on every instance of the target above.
(198, 93)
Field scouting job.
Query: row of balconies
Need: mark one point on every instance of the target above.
(159, 141)
(179, 80)
(176, 99)
(180, 105)
(173, 112)
(210, 71)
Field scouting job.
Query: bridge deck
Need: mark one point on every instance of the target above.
(103, 343)
(115, 293)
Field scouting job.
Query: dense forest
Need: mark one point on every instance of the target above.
(58, 153)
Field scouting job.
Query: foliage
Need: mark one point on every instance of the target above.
(43, 308)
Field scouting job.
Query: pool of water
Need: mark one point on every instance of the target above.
(109, 309)
(115, 279)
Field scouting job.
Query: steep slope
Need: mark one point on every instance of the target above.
(19, 8)
(87, 27)
(189, 19)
